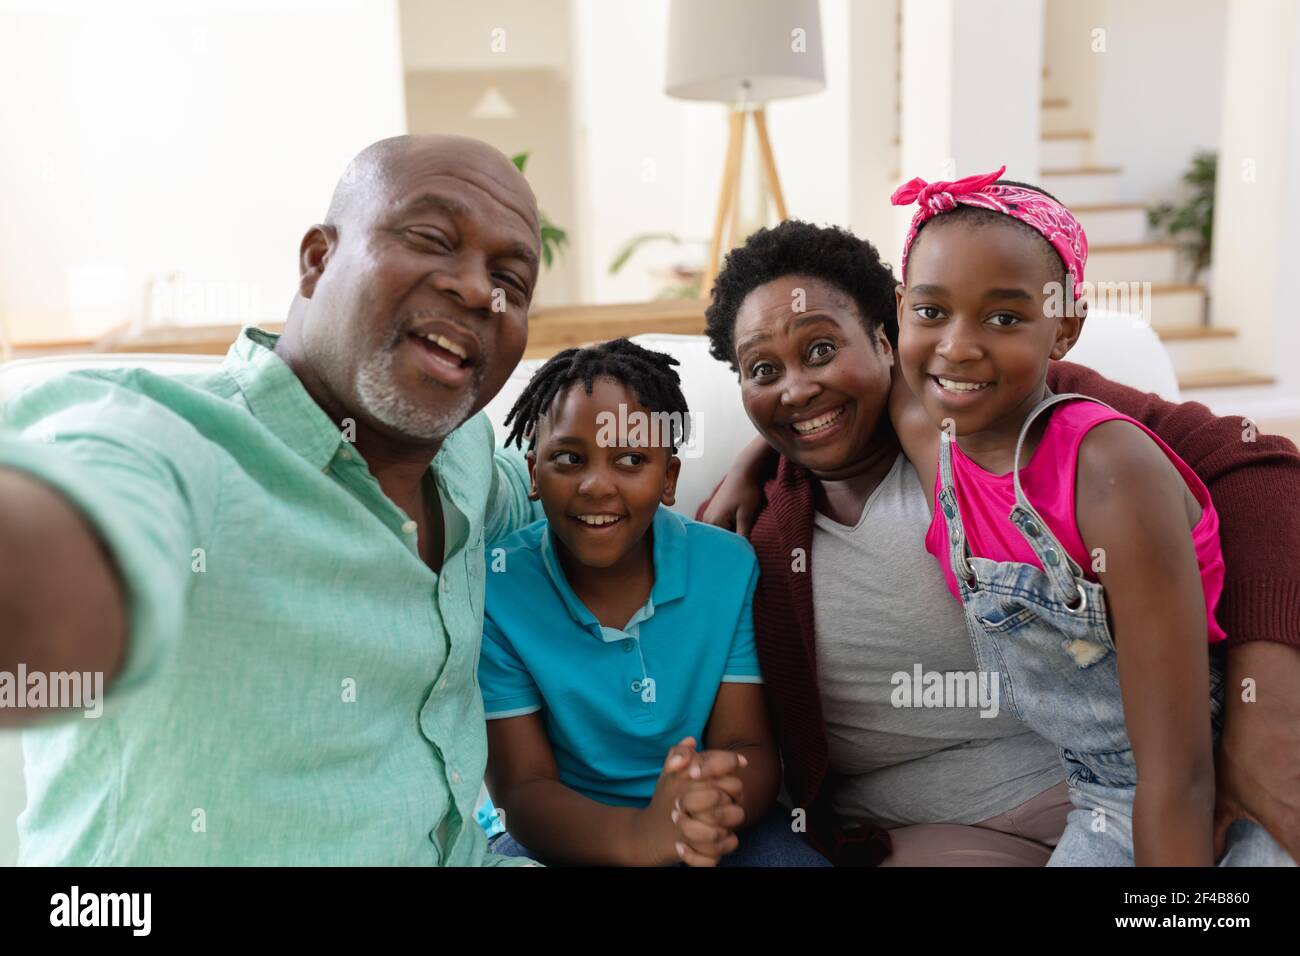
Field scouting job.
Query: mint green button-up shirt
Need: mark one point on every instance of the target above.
(299, 688)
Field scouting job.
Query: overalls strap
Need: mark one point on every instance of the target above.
(1063, 571)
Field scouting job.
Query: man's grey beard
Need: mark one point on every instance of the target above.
(383, 401)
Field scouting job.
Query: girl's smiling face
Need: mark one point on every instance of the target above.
(600, 496)
(813, 381)
(974, 331)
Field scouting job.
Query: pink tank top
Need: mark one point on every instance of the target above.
(1048, 480)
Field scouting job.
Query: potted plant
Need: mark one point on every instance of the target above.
(680, 281)
(554, 239)
(1190, 223)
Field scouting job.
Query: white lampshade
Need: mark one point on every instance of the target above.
(714, 46)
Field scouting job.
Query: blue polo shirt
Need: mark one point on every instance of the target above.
(614, 700)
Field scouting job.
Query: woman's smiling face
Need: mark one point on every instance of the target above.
(813, 381)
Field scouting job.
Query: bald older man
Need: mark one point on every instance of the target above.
(279, 565)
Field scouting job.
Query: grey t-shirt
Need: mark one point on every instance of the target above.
(882, 608)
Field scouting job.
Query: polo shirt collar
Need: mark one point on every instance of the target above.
(670, 557)
(670, 560)
(278, 399)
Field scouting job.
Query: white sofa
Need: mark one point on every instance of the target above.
(1118, 346)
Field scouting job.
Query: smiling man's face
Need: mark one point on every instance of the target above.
(419, 286)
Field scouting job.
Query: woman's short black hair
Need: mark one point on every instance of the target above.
(829, 253)
(648, 373)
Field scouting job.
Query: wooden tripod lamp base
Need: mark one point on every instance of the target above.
(728, 198)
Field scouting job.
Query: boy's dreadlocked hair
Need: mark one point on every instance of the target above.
(649, 374)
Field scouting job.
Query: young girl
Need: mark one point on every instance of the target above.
(1084, 551)
(617, 634)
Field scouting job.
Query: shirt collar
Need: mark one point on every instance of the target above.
(670, 558)
(278, 399)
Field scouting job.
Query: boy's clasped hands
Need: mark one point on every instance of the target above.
(696, 807)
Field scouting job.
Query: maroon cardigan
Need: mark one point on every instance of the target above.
(1256, 490)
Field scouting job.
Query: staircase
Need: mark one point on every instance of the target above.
(1119, 251)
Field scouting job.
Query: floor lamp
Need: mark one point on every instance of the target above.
(744, 53)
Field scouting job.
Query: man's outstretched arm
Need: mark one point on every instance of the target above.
(62, 607)
(105, 496)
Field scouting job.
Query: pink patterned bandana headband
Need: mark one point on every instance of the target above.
(1048, 217)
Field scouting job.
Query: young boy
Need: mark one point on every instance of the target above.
(617, 634)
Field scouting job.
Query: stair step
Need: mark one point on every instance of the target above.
(1065, 134)
(1144, 245)
(1081, 170)
(1112, 223)
(1155, 262)
(1107, 207)
(1165, 306)
(1081, 185)
(1222, 378)
(1192, 333)
(1055, 102)
(1199, 349)
(1064, 152)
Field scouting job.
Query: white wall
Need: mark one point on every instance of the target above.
(1256, 199)
(1073, 68)
(453, 51)
(455, 35)
(440, 101)
(971, 87)
(1160, 92)
(148, 137)
(650, 163)
(1286, 324)
(874, 161)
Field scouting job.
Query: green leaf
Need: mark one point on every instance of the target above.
(554, 239)
(1191, 222)
(635, 243)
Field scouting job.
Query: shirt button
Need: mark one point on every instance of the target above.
(442, 684)
(628, 645)
(455, 776)
(409, 527)
(446, 584)
(636, 687)
(345, 454)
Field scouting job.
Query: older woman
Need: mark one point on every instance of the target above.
(849, 598)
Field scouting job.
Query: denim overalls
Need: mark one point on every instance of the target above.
(1044, 632)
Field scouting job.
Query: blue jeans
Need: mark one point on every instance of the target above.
(770, 842)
